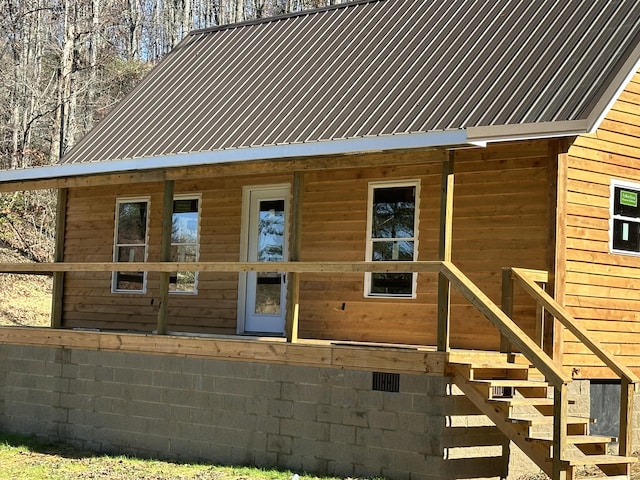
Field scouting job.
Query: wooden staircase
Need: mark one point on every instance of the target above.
(516, 397)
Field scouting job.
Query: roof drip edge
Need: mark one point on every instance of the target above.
(614, 89)
(440, 139)
(528, 131)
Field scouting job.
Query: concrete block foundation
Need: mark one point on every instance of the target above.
(306, 419)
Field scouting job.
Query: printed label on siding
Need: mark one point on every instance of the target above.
(628, 198)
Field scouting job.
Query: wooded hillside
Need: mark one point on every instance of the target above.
(63, 66)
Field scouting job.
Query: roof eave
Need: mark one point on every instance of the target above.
(440, 139)
(526, 131)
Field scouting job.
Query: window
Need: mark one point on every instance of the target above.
(184, 242)
(625, 218)
(392, 232)
(130, 243)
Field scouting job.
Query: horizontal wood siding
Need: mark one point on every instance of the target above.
(89, 302)
(603, 289)
(500, 218)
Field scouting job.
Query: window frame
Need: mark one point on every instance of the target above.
(370, 240)
(116, 245)
(616, 183)
(189, 196)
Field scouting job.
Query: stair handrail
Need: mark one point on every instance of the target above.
(628, 379)
(554, 375)
(505, 325)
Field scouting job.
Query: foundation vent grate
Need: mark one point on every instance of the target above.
(386, 382)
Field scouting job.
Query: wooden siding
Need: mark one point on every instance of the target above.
(602, 289)
(500, 219)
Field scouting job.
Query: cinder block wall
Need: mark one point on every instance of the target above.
(305, 419)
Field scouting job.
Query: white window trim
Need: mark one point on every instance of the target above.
(187, 196)
(369, 240)
(612, 216)
(114, 279)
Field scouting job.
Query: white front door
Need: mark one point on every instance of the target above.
(262, 310)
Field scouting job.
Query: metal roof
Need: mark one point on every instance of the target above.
(386, 70)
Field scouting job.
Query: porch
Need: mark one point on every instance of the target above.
(529, 377)
(535, 374)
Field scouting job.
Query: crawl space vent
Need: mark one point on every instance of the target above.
(386, 382)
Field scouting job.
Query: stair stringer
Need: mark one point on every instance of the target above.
(537, 452)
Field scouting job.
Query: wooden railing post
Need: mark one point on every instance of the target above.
(627, 391)
(165, 255)
(446, 231)
(540, 323)
(58, 277)
(507, 305)
(293, 283)
(560, 414)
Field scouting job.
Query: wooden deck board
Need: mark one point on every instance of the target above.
(394, 358)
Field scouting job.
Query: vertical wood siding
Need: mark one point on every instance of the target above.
(500, 219)
(603, 289)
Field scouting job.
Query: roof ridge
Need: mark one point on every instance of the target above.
(277, 18)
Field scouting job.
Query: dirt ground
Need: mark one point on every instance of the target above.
(25, 302)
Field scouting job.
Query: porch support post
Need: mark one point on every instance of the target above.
(58, 277)
(165, 255)
(559, 263)
(627, 390)
(293, 284)
(444, 254)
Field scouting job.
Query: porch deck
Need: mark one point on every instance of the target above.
(386, 357)
(396, 358)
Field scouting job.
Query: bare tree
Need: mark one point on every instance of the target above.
(67, 62)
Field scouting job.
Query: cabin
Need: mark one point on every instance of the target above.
(388, 238)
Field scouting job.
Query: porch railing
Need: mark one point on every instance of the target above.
(534, 354)
(527, 280)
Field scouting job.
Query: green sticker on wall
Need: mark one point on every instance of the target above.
(630, 199)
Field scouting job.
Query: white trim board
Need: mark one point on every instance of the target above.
(330, 147)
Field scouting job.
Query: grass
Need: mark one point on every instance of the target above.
(26, 458)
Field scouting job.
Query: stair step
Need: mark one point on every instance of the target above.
(603, 477)
(487, 371)
(493, 365)
(527, 401)
(512, 383)
(608, 477)
(576, 439)
(544, 420)
(599, 460)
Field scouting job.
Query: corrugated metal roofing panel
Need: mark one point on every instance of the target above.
(376, 68)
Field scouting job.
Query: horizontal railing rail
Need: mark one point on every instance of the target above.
(567, 320)
(229, 267)
(527, 280)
